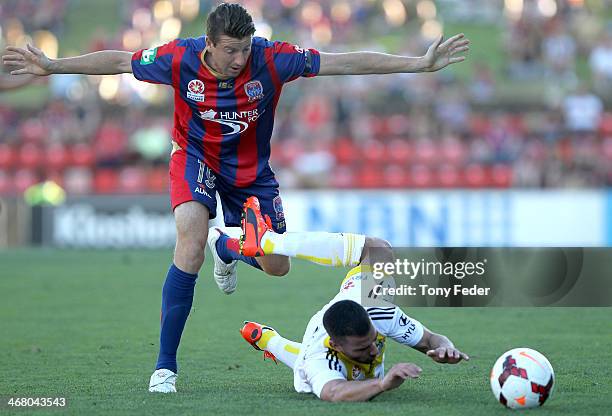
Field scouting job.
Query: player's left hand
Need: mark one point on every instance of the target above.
(447, 355)
(440, 55)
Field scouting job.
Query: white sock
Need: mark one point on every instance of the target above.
(284, 350)
(328, 249)
(232, 232)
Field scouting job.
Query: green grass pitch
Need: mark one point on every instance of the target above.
(84, 325)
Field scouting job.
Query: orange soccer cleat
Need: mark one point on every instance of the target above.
(252, 332)
(254, 226)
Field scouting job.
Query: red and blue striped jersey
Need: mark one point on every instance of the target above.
(226, 123)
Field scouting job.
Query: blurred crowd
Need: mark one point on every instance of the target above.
(536, 116)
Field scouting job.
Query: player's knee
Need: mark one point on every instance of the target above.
(277, 269)
(378, 249)
(190, 252)
(377, 242)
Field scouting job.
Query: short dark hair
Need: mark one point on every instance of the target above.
(229, 19)
(346, 318)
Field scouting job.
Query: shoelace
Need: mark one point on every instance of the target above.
(268, 354)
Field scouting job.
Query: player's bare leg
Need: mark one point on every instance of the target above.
(191, 233)
(177, 295)
(275, 264)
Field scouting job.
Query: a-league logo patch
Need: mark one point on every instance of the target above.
(148, 56)
(277, 203)
(195, 90)
(254, 90)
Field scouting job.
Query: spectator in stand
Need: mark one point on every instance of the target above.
(559, 52)
(600, 62)
(582, 111)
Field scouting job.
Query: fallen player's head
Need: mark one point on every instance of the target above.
(229, 28)
(350, 331)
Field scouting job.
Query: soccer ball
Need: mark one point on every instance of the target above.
(522, 378)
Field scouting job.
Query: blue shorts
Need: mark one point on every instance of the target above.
(192, 180)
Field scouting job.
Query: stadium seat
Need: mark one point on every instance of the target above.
(395, 176)
(106, 181)
(501, 176)
(343, 177)
(476, 176)
(373, 152)
(606, 148)
(30, 156)
(132, 180)
(453, 151)
(345, 151)
(449, 176)
(157, 180)
(370, 178)
(54, 176)
(56, 157)
(426, 152)
(605, 126)
(479, 124)
(23, 179)
(286, 151)
(32, 131)
(82, 154)
(398, 124)
(379, 127)
(421, 176)
(6, 183)
(400, 151)
(110, 144)
(78, 180)
(8, 156)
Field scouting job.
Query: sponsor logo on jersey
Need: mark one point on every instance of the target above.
(356, 372)
(148, 56)
(409, 330)
(202, 191)
(225, 85)
(403, 320)
(232, 119)
(254, 90)
(195, 90)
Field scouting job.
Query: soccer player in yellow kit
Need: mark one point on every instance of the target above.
(341, 356)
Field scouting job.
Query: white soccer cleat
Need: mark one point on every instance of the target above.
(225, 274)
(163, 381)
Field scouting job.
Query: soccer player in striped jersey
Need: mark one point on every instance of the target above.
(226, 88)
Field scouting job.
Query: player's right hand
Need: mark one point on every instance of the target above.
(27, 61)
(398, 374)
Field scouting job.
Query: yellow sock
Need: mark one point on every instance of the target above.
(267, 335)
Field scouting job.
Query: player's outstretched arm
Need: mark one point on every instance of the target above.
(13, 82)
(439, 348)
(439, 55)
(31, 60)
(363, 390)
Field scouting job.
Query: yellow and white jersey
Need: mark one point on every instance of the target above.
(317, 363)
